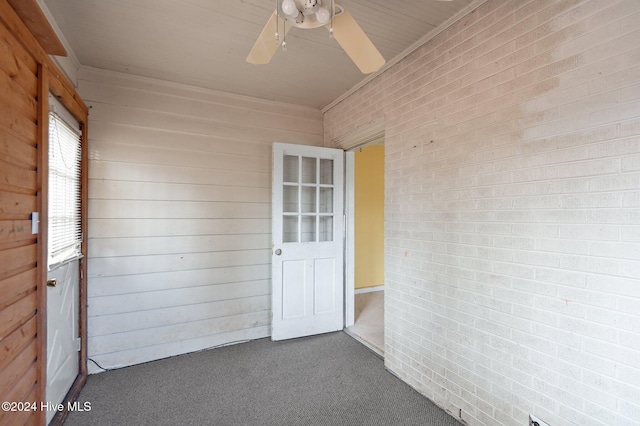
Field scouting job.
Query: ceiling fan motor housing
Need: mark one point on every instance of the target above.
(310, 7)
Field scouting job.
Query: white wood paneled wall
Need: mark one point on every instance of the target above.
(179, 214)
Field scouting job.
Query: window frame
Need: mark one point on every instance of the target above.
(64, 198)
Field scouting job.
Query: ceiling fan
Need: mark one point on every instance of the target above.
(307, 14)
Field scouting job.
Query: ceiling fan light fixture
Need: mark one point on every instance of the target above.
(308, 13)
(341, 25)
(289, 8)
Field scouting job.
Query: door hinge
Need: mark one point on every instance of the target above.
(78, 344)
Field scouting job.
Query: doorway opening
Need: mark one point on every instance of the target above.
(365, 253)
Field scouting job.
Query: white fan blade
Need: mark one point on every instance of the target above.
(266, 45)
(356, 43)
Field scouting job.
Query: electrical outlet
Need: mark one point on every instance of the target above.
(534, 421)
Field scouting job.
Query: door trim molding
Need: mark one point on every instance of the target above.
(349, 209)
(349, 254)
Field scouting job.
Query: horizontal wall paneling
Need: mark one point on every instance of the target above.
(180, 214)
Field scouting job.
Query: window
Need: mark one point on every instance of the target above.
(64, 228)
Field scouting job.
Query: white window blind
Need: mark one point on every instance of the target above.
(64, 217)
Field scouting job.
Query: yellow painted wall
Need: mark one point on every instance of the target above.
(369, 217)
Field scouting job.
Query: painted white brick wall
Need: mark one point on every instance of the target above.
(513, 212)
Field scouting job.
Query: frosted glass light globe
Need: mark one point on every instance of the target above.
(323, 15)
(289, 8)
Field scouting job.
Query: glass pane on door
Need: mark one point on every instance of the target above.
(326, 228)
(290, 168)
(309, 170)
(290, 199)
(290, 229)
(326, 171)
(307, 199)
(308, 229)
(326, 200)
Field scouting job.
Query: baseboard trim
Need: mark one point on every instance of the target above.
(369, 289)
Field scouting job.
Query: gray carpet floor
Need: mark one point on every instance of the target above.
(329, 379)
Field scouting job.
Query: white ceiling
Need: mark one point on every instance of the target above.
(205, 42)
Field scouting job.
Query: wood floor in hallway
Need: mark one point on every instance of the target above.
(369, 319)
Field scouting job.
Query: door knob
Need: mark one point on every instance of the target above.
(278, 252)
(52, 282)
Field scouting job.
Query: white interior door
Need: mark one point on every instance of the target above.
(62, 332)
(308, 242)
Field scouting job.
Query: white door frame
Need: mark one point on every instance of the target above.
(349, 208)
(349, 261)
(368, 133)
